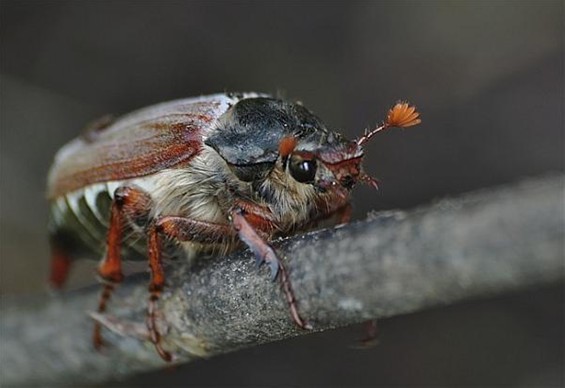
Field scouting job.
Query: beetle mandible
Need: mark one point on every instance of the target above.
(208, 173)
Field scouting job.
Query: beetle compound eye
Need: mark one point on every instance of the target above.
(302, 170)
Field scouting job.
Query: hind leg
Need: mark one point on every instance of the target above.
(61, 262)
(65, 247)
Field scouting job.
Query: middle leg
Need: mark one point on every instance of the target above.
(180, 229)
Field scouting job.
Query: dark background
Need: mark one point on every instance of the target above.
(487, 77)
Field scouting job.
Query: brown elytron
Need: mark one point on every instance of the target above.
(210, 174)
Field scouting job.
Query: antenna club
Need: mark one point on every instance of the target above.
(402, 115)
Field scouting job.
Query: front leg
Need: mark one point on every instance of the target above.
(265, 253)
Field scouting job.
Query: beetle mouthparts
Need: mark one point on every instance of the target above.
(369, 180)
(346, 171)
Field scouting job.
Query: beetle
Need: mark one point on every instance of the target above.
(201, 175)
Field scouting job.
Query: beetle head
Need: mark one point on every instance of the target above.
(260, 135)
(335, 164)
(332, 166)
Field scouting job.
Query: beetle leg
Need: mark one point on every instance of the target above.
(129, 204)
(63, 252)
(60, 266)
(155, 287)
(345, 214)
(186, 229)
(181, 229)
(265, 253)
(371, 335)
(260, 217)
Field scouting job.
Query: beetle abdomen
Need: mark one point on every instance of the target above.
(79, 222)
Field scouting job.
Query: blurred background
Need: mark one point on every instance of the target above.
(486, 76)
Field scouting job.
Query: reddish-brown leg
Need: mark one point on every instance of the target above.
(344, 214)
(155, 287)
(129, 203)
(186, 229)
(371, 336)
(181, 229)
(265, 253)
(259, 217)
(133, 205)
(60, 267)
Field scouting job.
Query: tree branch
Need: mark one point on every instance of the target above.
(482, 244)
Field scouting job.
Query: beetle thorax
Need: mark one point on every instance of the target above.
(191, 191)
